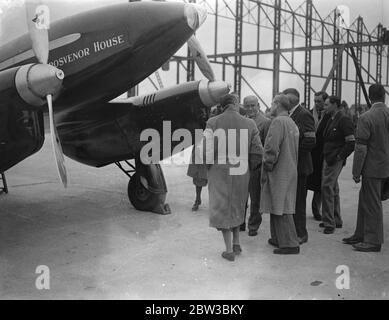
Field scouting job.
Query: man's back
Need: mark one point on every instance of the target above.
(285, 131)
(373, 131)
(231, 119)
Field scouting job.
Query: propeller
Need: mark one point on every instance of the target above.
(194, 45)
(38, 30)
(58, 153)
(201, 58)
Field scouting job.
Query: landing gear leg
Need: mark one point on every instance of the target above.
(4, 188)
(147, 187)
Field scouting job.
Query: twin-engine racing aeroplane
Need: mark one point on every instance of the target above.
(77, 66)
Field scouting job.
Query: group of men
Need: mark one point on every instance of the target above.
(291, 150)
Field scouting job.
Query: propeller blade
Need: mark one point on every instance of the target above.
(58, 154)
(37, 27)
(201, 58)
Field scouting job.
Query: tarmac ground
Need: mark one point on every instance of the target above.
(97, 246)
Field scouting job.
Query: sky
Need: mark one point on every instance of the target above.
(12, 24)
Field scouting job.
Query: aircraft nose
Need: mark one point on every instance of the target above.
(195, 15)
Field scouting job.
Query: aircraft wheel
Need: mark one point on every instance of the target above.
(141, 198)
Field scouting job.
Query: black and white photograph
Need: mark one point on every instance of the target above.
(194, 150)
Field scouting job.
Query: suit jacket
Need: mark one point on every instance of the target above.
(314, 180)
(306, 125)
(373, 132)
(336, 147)
(263, 125)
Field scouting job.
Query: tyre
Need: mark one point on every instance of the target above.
(141, 198)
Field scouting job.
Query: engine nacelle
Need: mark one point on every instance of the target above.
(207, 93)
(35, 81)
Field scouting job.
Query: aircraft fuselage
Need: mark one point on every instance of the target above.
(106, 51)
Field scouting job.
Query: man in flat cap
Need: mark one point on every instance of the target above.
(233, 143)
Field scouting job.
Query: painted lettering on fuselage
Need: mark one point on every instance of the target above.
(97, 47)
(71, 57)
(108, 43)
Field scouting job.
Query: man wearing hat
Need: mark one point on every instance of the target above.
(233, 145)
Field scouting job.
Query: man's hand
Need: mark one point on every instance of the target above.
(357, 179)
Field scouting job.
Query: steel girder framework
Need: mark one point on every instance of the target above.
(307, 32)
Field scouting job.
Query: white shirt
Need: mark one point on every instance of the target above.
(293, 110)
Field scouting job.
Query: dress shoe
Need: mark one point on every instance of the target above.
(237, 249)
(338, 225)
(317, 217)
(303, 239)
(196, 205)
(242, 227)
(352, 240)
(272, 242)
(367, 247)
(293, 250)
(253, 233)
(329, 230)
(230, 256)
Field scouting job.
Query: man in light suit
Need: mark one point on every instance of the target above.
(371, 161)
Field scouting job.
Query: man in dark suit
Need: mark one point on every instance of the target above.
(371, 160)
(253, 111)
(314, 180)
(306, 125)
(339, 141)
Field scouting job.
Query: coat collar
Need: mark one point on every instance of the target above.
(295, 111)
(379, 105)
(231, 108)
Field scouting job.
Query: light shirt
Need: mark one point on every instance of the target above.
(293, 110)
(334, 115)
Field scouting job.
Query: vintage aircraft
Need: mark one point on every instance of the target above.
(82, 63)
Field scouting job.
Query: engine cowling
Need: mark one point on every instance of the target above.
(35, 81)
(30, 84)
